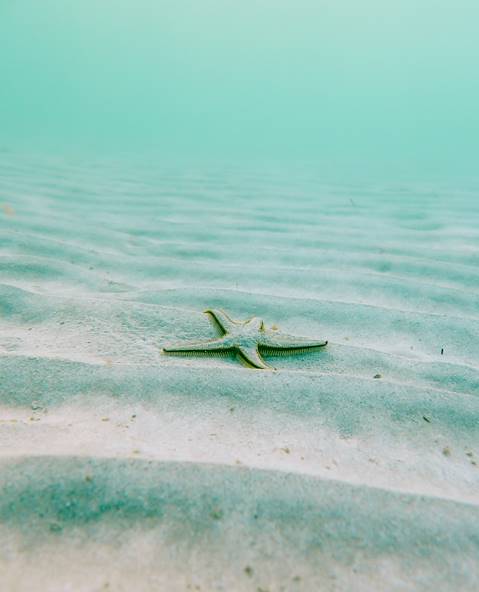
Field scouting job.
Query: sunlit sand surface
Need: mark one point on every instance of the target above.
(354, 467)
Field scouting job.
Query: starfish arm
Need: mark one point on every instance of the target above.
(200, 346)
(283, 341)
(222, 319)
(251, 355)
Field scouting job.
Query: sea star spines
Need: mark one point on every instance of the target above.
(246, 337)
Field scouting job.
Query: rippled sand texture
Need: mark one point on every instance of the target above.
(353, 468)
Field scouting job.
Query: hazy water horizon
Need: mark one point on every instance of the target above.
(378, 89)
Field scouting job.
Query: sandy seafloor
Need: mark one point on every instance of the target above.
(123, 469)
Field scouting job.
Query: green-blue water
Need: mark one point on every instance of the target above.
(376, 87)
(312, 163)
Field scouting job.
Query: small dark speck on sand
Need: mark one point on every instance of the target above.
(296, 579)
(248, 571)
(469, 454)
(217, 513)
(442, 351)
(426, 419)
(446, 451)
(377, 376)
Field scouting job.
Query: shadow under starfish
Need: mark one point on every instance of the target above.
(246, 338)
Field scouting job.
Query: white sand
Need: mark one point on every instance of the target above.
(126, 469)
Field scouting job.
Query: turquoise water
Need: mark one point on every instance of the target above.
(310, 163)
(378, 88)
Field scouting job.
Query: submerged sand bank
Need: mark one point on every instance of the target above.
(122, 468)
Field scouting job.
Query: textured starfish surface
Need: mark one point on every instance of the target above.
(246, 338)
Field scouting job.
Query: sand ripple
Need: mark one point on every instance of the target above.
(316, 476)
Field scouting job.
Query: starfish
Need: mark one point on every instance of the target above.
(246, 337)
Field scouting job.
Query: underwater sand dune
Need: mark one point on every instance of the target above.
(138, 524)
(354, 467)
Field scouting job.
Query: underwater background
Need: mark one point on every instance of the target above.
(310, 163)
(376, 87)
